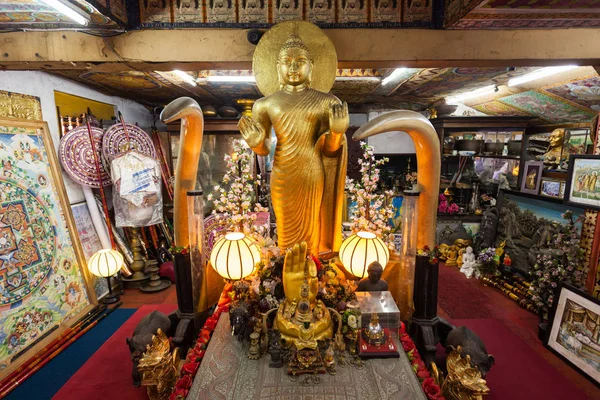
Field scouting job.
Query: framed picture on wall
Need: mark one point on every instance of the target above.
(90, 242)
(552, 188)
(45, 286)
(574, 330)
(532, 176)
(583, 185)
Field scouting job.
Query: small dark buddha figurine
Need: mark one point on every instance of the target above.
(373, 283)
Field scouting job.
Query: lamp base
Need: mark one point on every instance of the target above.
(110, 299)
(156, 286)
(135, 283)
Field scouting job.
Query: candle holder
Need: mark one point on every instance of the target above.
(138, 278)
(155, 284)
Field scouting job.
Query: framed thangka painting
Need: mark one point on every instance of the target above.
(44, 285)
(574, 333)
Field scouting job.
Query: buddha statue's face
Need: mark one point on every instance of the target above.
(557, 137)
(375, 275)
(294, 66)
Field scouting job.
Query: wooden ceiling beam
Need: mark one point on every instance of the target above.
(195, 49)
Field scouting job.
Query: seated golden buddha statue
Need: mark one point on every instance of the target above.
(309, 167)
(301, 318)
(452, 256)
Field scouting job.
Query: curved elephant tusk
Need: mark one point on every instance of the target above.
(427, 145)
(190, 148)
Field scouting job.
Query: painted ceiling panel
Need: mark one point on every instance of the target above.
(519, 14)
(35, 14)
(574, 100)
(549, 108)
(434, 84)
(542, 4)
(585, 92)
(497, 108)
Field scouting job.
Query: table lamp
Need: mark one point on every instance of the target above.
(105, 263)
(359, 250)
(234, 256)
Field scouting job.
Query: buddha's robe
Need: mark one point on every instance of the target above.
(306, 185)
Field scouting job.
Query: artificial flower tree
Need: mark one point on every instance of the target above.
(235, 205)
(372, 212)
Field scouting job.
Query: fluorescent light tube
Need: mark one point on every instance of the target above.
(540, 73)
(459, 98)
(397, 72)
(68, 11)
(231, 78)
(357, 78)
(185, 76)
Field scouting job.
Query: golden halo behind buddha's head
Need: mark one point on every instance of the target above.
(300, 35)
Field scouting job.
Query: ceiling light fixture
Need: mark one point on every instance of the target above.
(540, 73)
(357, 78)
(185, 76)
(459, 98)
(397, 72)
(68, 11)
(231, 78)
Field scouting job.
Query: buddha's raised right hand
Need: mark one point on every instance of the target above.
(252, 133)
(296, 268)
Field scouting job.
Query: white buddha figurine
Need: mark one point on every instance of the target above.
(469, 266)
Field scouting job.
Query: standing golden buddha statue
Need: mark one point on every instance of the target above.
(309, 169)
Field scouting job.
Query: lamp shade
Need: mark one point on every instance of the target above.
(105, 263)
(234, 256)
(360, 250)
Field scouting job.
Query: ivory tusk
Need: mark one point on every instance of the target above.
(427, 145)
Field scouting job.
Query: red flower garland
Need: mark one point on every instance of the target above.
(431, 389)
(196, 354)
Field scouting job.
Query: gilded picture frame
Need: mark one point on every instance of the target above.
(554, 188)
(532, 176)
(573, 331)
(583, 185)
(45, 286)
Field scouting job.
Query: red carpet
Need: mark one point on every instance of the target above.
(107, 374)
(519, 373)
(460, 297)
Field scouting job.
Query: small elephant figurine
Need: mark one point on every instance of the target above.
(142, 336)
(472, 345)
(240, 315)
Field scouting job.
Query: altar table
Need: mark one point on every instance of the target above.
(226, 373)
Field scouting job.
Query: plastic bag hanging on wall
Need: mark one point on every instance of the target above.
(137, 195)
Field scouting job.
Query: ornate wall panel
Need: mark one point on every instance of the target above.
(263, 13)
(18, 105)
(321, 11)
(253, 11)
(352, 11)
(386, 11)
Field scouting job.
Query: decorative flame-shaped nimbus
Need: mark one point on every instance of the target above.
(427, 146)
